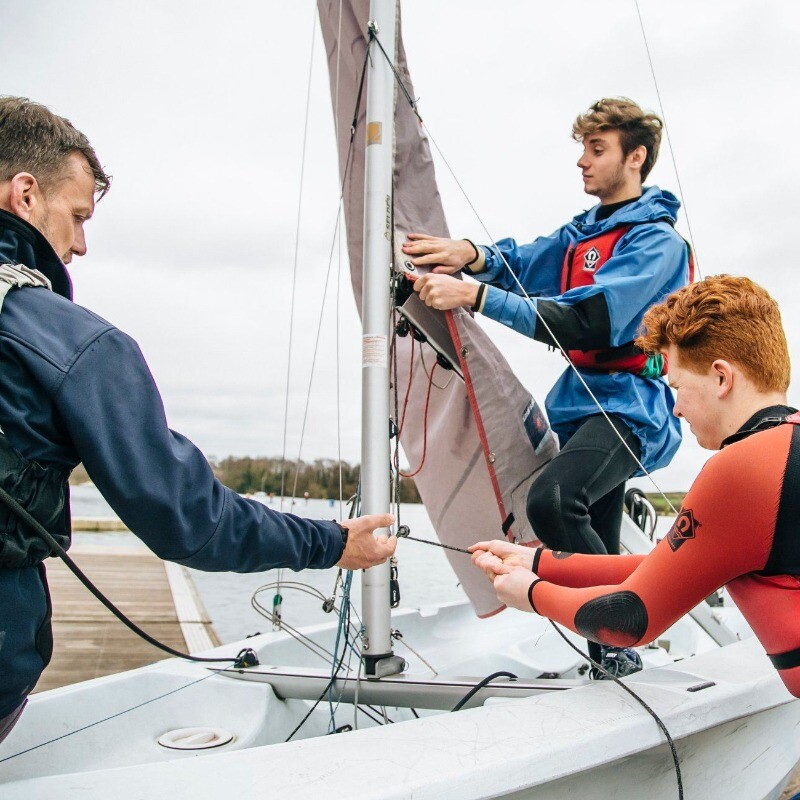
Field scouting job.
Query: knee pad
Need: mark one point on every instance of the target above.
(545, 514)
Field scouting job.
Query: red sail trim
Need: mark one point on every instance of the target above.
(453, 328)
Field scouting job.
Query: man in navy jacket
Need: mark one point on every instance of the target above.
(73, 388)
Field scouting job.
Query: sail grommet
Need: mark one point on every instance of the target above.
(492, 458)
(464, 352)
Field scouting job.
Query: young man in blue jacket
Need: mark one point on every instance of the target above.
(590, 283)
(73, 388)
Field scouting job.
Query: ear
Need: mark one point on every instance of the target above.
(24, 195)
(636, 157)
(723, 373)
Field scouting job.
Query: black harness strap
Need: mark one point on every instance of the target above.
(788, 660)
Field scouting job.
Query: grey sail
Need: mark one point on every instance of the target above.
(473, 435)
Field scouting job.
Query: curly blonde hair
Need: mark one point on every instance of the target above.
(636, 127)
(722, 317)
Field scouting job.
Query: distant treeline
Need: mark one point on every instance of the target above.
(319, 478)
(660, 503)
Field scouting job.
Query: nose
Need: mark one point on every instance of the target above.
(583, 162)
(79, 243)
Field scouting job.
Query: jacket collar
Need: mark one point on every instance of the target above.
(654, 204)
(760, 421)
(21, 243)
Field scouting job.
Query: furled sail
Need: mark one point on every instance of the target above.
(474, 433)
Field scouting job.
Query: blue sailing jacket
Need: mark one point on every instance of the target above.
(647, 263)
(74, 388)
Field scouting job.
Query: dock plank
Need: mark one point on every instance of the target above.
(89, 641)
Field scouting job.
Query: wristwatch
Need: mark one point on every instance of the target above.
(344, 531)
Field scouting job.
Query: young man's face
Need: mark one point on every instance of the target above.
(605, 171)
(62, 211)
(697, 400)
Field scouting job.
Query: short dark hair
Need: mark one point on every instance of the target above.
(34, 139)
(636, 127)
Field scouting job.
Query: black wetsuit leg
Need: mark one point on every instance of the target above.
(576, 503)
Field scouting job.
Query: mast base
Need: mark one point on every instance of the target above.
(377, 667)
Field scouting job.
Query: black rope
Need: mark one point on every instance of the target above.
(675, 758)
(435, 544)
(600, 667)
(478, 686)
(245, 658)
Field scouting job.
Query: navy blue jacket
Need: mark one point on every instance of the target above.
(74, 388)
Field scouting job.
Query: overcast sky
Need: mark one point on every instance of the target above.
(198, 109)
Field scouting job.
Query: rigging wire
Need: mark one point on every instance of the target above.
(277, 599)
(345, 175)
(296, 253)
(116, 715)
(412, 103)
(669, 140)
(523, 293)
(338, 288)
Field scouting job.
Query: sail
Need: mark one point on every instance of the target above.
(474, 436)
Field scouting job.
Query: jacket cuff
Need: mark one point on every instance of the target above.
(336, 548)
(518, 313)
(479, 263)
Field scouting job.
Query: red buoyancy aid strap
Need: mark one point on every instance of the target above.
(794, 418)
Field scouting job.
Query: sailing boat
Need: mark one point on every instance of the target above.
(176, 727)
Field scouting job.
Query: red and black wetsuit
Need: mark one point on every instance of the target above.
(739, 526)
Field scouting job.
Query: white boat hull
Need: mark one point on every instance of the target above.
(736, 738)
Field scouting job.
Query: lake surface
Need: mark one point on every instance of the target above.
(425, 575)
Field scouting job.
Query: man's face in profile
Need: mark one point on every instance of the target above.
(602, 164)
(66, 205)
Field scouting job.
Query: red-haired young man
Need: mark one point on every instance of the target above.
(729, 365)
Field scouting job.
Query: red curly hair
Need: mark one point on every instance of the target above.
(722, 317)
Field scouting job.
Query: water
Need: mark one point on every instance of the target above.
(425, 575)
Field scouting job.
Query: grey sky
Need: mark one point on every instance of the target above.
(198, 111)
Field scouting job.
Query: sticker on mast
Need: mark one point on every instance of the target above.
(374, 351)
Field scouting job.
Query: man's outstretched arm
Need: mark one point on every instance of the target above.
(162, 487)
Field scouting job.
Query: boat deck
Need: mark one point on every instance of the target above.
(90, 642)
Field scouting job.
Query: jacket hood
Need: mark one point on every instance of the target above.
(654, 204)
(21, 243)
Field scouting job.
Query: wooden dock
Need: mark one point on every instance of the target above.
(90, 642)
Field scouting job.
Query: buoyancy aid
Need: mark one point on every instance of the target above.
(581, 263)
(42, 490)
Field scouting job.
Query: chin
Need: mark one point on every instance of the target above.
(709, 444)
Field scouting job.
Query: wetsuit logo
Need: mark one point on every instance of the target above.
(590, 259)
(683, 529)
